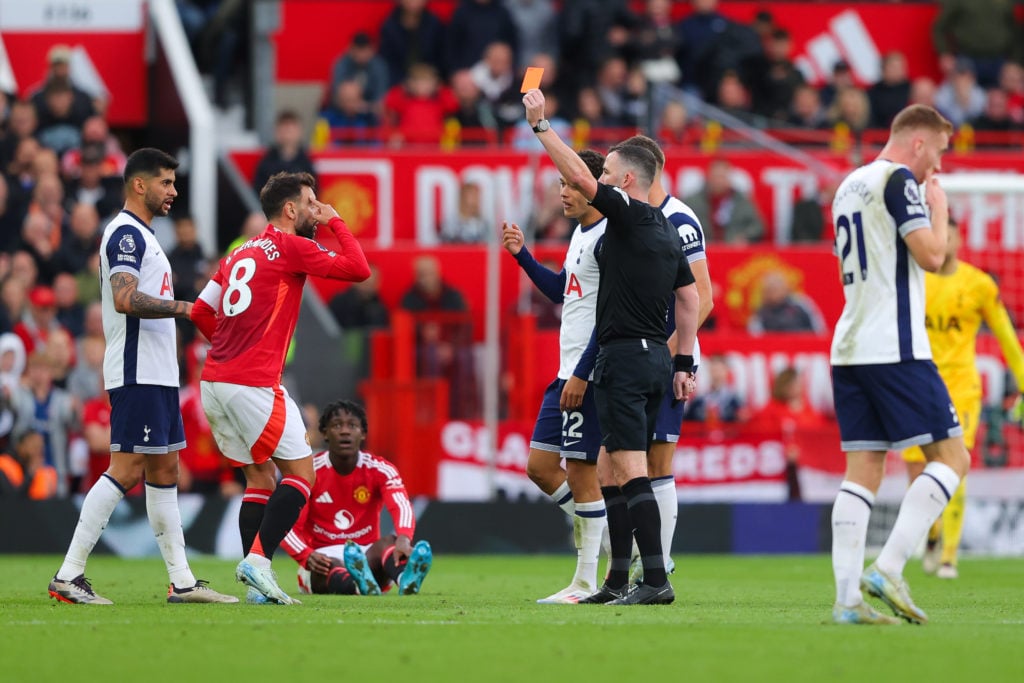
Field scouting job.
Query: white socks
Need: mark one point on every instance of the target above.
(590, 522)
(97, 507)
(165, 520)
(850, 514)
(668, 508)
(563, 498)
(922, 505)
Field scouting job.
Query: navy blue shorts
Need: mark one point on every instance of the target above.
(575, 434)
(892, 406)
(145, 419)
(670, 418)
(631, 376)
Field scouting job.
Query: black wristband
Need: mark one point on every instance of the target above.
(681, 363)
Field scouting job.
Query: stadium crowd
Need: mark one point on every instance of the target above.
(610, 69)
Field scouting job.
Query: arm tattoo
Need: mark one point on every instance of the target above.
(130, 301)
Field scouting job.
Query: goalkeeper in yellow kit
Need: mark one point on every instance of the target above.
(958, 297)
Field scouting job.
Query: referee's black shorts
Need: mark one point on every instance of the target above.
(630, 378)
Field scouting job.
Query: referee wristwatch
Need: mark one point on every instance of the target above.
(542, 126)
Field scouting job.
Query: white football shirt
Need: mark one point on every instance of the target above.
(875, 208)
(691, 237)
(139, 351)
(579, 298)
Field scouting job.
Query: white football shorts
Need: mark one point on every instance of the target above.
(253, 424)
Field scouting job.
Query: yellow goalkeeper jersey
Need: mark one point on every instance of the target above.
(955, 306)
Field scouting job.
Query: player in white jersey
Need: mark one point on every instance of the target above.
(888, 393)
(670, 414)
(567, 425)
(140, 370)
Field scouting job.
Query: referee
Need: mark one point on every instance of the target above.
(641, 265)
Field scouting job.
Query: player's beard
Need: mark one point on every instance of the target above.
(155, 204)
(306, 228)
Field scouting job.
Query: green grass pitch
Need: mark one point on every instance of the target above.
(735, 619)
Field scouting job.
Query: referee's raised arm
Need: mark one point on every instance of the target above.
(568, 163)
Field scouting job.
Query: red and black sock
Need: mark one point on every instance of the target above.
(283, 511)
(250, 516)
(391, 567)
(340, 582)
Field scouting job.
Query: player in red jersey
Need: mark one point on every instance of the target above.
(337, 540)
(248, 311)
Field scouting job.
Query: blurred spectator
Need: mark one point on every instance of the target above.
(852, 109)
(654, 42)
(712, 44)
(536, 23)
(58, 74)
(590, 111)
(60, 349)
(984, 32)
(474, 25)
(676, 127)
(37, 243)
(548, 223)
(361, 64)
(85, 381)
(996, 116)
(195, 16)
(60, 128)
(727, 215)
(348, 116)
(70, 312)
(806, 111)
(415, 112)
(523, 136)
(773, 77)
(720, 402)
(411, 34)
(360, 305)
(12, 366)
(203, 468)
(783, 310)
(21, 123)
(97, 139)
(49, 410)
(443, 347)
(90, 186)
(812, 214)
(222, 46)
(39, 320)
(469, 225)
(288, 153)
(10, 222)
(88, 282)
(611, 90)
(891, 94)
(1011, 80)
(82, 240)
(494, 75)
(960, 98)
(842, 78)
(922, 91)
(96, 432)
(24, 269)
(13, 296)
(255, 222)
(788, 412)
(474, 112)
(733, 98)
(591, 32)
(188, 262)
(25, 474)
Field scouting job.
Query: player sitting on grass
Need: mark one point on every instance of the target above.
(337, 540)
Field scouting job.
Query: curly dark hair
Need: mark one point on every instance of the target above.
(350, 407)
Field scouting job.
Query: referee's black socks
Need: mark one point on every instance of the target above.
(646, 522)
(620, 535)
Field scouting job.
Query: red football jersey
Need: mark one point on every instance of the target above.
(256, 294)
(347, 507)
